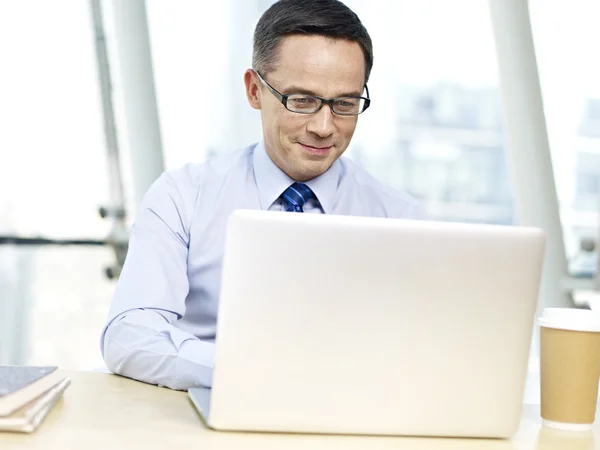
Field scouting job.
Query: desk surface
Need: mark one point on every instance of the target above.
(101, 411)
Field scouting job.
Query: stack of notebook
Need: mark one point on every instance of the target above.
(27, 395)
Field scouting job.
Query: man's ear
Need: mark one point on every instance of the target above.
(252, 88)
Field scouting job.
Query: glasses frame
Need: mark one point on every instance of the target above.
(283, 98)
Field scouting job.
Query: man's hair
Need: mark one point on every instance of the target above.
(329, 18)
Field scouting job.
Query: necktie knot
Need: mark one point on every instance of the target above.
(295, 196)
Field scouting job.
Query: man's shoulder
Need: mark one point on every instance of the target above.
(184, 184)
(177, 192)
(397, 203)
(213, 166)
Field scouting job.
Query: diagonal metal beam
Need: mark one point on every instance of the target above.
(530, 162)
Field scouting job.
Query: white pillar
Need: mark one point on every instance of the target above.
(138, 95)
(530, 162)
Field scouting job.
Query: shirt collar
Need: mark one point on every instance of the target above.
(272, 181)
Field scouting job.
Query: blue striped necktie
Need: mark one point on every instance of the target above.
(295, 196)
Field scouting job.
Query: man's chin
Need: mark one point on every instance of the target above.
(312, 169)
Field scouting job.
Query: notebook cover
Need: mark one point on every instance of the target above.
(20, 385)
(14, 378)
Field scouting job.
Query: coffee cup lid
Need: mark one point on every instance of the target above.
(570, 319)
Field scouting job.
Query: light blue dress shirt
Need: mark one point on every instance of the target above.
(162, 322)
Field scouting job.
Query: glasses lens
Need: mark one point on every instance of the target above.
(303, 103)
(349, 105)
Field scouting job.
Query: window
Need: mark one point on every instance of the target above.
(565, 36)
(588, 184)
(434, 130)
(53, 178)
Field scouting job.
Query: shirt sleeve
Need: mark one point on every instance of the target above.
(146, 346)
(419, 213)
(141, 339)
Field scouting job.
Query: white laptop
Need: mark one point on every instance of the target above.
(353, 325)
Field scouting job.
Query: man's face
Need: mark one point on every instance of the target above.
(305, 145)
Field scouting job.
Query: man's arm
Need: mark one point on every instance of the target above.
(418, 213)
(144, 345)
(140, 339)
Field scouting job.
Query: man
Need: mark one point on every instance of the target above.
(311, 63)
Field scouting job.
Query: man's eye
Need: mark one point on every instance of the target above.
(346, 103)
(302, 102)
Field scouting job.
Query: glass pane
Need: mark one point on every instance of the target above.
(53, 304)
(566, 36)
(52, 161)
(202, 102)
(434, 128)
(53, 300)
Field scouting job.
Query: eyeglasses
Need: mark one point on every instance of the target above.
(310, 104)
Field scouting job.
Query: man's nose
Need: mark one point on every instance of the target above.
(321, 122)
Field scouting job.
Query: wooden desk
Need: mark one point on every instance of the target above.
(101, 411)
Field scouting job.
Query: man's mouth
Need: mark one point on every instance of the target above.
(316, 150)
